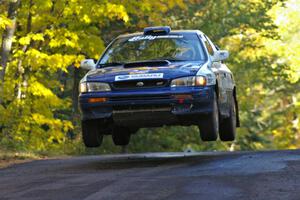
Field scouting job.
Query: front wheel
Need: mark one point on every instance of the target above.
(209, 128)
(121, 136)
(228, 125)
(90, 133)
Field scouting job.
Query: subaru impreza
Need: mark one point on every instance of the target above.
(155, 78)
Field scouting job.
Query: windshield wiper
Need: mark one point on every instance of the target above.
(176, 60)
(170, 59)
(111, 64)
(142, 63)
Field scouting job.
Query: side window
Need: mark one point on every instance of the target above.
(208, 46)
(214, 47)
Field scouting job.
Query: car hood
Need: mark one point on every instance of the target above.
(117, 73)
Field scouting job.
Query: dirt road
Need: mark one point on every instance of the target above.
(211, 175)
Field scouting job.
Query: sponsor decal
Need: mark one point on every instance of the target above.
(140, 70)
(151, 37)
(139, 76)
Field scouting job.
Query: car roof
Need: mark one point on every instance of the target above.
(173, 31)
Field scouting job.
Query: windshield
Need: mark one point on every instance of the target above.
(185, 47)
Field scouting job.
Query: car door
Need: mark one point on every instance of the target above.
(227, 82)
(223, 76)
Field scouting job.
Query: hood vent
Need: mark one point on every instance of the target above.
(148, 63)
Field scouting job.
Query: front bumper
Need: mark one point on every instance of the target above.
(166, 105)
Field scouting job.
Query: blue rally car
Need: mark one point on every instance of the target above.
(156, 78)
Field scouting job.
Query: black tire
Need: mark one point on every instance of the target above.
(90, 133)
(228, 125)
(121, 136)
(209, 128)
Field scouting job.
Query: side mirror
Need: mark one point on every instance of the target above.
(220, 55)
(88, 64)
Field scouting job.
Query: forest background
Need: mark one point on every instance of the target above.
(43, 41)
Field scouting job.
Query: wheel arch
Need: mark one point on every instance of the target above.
(236, 107)
(217, 89)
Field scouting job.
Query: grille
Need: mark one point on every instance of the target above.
(139, 84)
(141, 108)
(142, 98)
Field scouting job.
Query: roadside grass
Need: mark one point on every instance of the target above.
(8, 158)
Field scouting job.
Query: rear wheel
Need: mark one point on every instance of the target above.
(228, 125)
(90, 133)
(121, 136)
(209, 127)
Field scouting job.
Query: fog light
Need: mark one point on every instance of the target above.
(183, 96)
(97, 100)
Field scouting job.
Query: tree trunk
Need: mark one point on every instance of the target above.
(21, 70)
(7, 38)
(75, 92)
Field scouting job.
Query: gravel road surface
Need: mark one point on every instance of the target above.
(208, 175)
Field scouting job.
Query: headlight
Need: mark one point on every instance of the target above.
(93, 87)
(189, 81)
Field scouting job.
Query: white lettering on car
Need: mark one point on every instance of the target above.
(151, 37)
(139, 76)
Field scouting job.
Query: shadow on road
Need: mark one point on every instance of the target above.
(128, 161)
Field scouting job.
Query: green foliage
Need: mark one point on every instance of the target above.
(51, 36)
(38, 109)
(264, 65)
